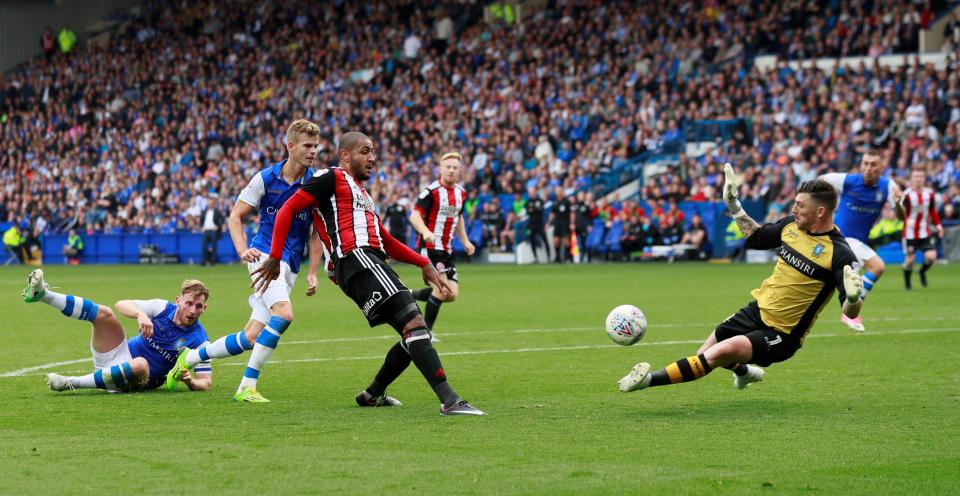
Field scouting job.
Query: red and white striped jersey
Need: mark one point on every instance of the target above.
(441, 208)
(347, 210)
(921, 213)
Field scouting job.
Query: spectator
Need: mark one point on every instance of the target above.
(493, 224)
(212, 227)
(67, 39)
(13, 243)
(697, 237)
(74, 248)
(48, 44)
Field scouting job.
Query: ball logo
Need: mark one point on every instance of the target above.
(441, 267)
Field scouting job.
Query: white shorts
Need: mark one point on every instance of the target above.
(107, 359)
(861, 250)
(116, 356)
(277, 291)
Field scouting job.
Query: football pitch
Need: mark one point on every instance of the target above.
(848, 414)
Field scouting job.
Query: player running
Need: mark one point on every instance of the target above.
(437, 215)
(359, 246)
(920, 214)
(862, 197)
(812, 261)
(142, 361)
(272, 310)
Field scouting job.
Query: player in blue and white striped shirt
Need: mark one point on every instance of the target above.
(143, 361)
(272, 310)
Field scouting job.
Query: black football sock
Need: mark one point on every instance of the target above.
(683, 370)
(923, 273)
(396, 361)
(907, 275)
(421, 294)
(739, 369)
(430, 311)
(425, 357)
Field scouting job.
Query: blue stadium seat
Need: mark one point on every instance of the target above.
(612, 238)
(595, 238)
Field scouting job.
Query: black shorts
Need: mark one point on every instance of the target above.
(921, 245)
(769, 345)
(561, 231)
(376, 289)
(443, 261)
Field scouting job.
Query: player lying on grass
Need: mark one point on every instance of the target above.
(142, 361)
(813, 260)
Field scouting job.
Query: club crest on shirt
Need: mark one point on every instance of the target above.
(818, 250)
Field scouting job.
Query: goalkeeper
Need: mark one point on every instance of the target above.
(812, 261)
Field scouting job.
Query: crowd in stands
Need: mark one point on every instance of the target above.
(189, 99)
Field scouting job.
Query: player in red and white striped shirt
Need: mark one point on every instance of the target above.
(437, 215)
(921, 227)
(359, 246)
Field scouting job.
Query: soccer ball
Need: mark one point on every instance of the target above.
(626, 325)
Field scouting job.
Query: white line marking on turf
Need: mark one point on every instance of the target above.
(24, 371)
(593, 347)
(27, 370)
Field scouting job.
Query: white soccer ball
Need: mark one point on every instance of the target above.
(626, 325)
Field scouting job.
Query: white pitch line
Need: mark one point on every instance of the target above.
(592, 347)
(20, 372)
(27, 370)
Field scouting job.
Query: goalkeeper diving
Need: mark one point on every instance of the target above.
(813, 260)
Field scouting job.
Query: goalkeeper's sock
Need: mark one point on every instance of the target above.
(683, 370)
(869, 279)
(421, 294)
(71, 306)
(907, 276)
(739, 369)
(396, 361)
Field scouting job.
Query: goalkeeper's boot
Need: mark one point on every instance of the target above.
(367, 399)
(57, 382)
(754, 374)
(36, 287)
(250, 395)
(460, 407)
(638, 378)
(854, 324)
(178, 369)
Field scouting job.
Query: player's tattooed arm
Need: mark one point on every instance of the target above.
(746, 224)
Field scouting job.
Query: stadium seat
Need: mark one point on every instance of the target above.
(595, 238)
(612, 239)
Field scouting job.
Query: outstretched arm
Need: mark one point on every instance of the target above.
(731, 193)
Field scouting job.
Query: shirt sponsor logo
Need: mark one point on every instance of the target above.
(796, 262)
(448, 211)
(364, 203)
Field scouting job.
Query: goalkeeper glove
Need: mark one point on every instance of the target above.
(731, 190)
(852, 284)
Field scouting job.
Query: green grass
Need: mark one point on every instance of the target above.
(869, 414)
